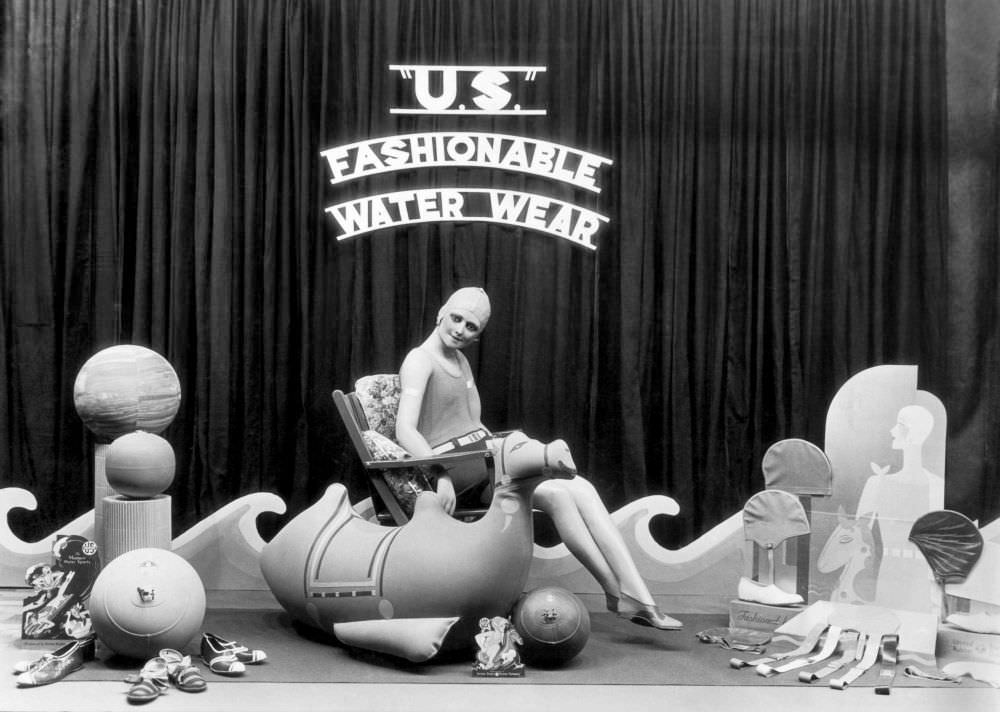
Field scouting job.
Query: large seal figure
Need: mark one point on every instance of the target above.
(414, 590)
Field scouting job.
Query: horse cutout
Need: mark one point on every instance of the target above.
(851, 547)
(420, 588)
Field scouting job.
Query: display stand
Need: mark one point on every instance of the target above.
(760, 616)
(102, 490)
(136, 524)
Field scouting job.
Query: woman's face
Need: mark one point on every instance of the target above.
(44, 579)
(900, 435)
(457, 329)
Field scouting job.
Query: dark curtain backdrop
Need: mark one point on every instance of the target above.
(778, 206)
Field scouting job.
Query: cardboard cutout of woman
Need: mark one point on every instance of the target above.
(896, 500)
(439, 412)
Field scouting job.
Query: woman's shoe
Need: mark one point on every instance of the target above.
(220, 660)
(242, 652)
(646, 614)
(149, 683)
(768, 594)
(86, 644)
(54, 666)
(185, 676)
(988, 623)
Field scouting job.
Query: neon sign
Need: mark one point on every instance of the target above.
(460, 148)
(509, 207)
(533, 156)
(491, 83)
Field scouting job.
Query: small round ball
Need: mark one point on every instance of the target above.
(554, 625)
(140, 465)
(125, 388)
(146, 600)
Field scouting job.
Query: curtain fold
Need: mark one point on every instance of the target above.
(777, 206)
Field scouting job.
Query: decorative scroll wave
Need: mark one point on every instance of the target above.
(709, 565)
(17, 555)
(224, 548)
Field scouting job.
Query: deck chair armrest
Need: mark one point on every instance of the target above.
(453, 458)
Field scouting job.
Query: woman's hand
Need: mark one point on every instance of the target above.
(446, 494)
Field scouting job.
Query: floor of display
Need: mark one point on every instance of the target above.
(622, 667)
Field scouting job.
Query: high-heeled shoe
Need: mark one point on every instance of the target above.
(87, 649)
(646, 614)
(56, 665)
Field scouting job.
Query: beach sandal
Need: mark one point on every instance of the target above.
(149, 683)
(243, 653)
(185, 676)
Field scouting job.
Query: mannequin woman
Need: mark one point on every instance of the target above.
(439, 411)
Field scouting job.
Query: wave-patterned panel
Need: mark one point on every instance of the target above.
(225, 548)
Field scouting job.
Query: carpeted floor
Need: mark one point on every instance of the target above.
(617, 653)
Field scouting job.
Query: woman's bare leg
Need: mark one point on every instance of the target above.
(607, 538)
(560, 505)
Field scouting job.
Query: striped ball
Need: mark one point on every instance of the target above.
(140, 465)
(126, 388)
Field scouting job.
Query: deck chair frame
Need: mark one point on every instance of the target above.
(356, 422)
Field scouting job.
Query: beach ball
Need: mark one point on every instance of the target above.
(554, 625)
(140, 465)
(146, 600)
(126, 388)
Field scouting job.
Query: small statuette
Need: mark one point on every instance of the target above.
(498, 656)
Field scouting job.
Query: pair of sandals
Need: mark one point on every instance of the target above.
(170, 666)
(222, 657)
(225, 657)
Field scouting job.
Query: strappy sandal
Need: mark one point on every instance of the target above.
(149, 683)
(220, 646)
(185, 676)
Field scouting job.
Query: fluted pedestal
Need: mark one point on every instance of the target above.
(101, 490)
(135, 524)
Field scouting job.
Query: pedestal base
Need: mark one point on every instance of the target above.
(759, 616)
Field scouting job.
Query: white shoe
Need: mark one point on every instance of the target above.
(975, 623)
(771, 595)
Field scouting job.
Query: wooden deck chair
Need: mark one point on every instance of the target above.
(395, 477)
